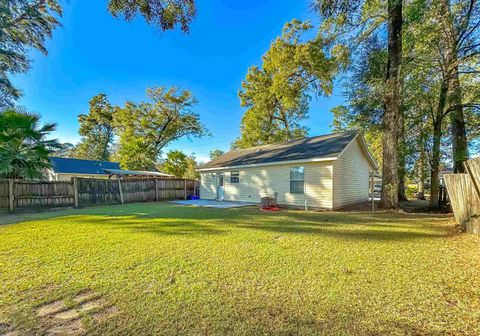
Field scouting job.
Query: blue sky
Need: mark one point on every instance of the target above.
(95, 53)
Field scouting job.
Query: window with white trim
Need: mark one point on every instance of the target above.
(234, 177)
(297, 180)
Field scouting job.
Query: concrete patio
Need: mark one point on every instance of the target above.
(213, 204)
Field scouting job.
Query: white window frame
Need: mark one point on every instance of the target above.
(235, 179)
(302, 181)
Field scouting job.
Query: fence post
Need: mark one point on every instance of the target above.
(11, 196)
(75, 192)
(156, 190)
(185, 187)
(120, 190)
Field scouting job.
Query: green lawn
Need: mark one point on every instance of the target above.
(153, 269)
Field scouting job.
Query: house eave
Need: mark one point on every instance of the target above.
(276, 163)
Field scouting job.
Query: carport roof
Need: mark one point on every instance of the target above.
(319, 147)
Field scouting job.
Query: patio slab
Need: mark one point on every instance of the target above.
(213, 204)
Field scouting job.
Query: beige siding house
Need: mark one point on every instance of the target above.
(329, 171)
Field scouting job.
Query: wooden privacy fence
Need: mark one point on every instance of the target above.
(81, 192)
(464, 193)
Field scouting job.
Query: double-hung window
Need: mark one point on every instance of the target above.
(297, 180)
(234, 177)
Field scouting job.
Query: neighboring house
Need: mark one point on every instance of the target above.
(328, 171)
(63, 169)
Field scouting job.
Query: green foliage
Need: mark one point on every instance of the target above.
(444, 48)
(277, 94)
(175, 163)
(411, 191)
(215, 154)
(166, 14)
(364, 91)
(64, 150)
(345, 119)
(23, 24)
(24, 149)
(145, 128)
(347, 25)
(191, 171)
(471, 95)
(97, 130)
(179, 164)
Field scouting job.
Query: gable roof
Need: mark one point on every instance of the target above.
(77, 166)
(323, 147)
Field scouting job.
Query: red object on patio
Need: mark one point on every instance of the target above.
(270, 209)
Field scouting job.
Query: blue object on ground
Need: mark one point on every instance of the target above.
(213, 203)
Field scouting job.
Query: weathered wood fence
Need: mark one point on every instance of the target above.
(82, 192)
(464, 194)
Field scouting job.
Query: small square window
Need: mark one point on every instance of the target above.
(234, 177)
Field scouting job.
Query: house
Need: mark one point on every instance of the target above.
(63, 169)
(328, 171)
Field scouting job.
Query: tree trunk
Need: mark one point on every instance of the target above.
(437, 137)
(401, 157)
(421, 171)
(288, 134)
(457, 125)
(392, 107)
(421, 188)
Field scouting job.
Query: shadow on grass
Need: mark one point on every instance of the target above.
(163, 226)
(370, 232)
(170, 219)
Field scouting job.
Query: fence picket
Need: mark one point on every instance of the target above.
(82, 192)
(464, 197)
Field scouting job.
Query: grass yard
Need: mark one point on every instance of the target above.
(161, 269)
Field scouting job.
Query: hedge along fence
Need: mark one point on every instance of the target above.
(464, 193)
(82, 192)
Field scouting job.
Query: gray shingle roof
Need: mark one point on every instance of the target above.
(323, 146)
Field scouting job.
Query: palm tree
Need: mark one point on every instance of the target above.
(24, 149)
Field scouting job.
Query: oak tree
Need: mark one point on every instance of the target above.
(277, 94)
(145, 128)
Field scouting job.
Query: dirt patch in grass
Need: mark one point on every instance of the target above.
(69, 328)
(50, 308)
(58, 318)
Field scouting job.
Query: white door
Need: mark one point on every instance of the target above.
(220, 187)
